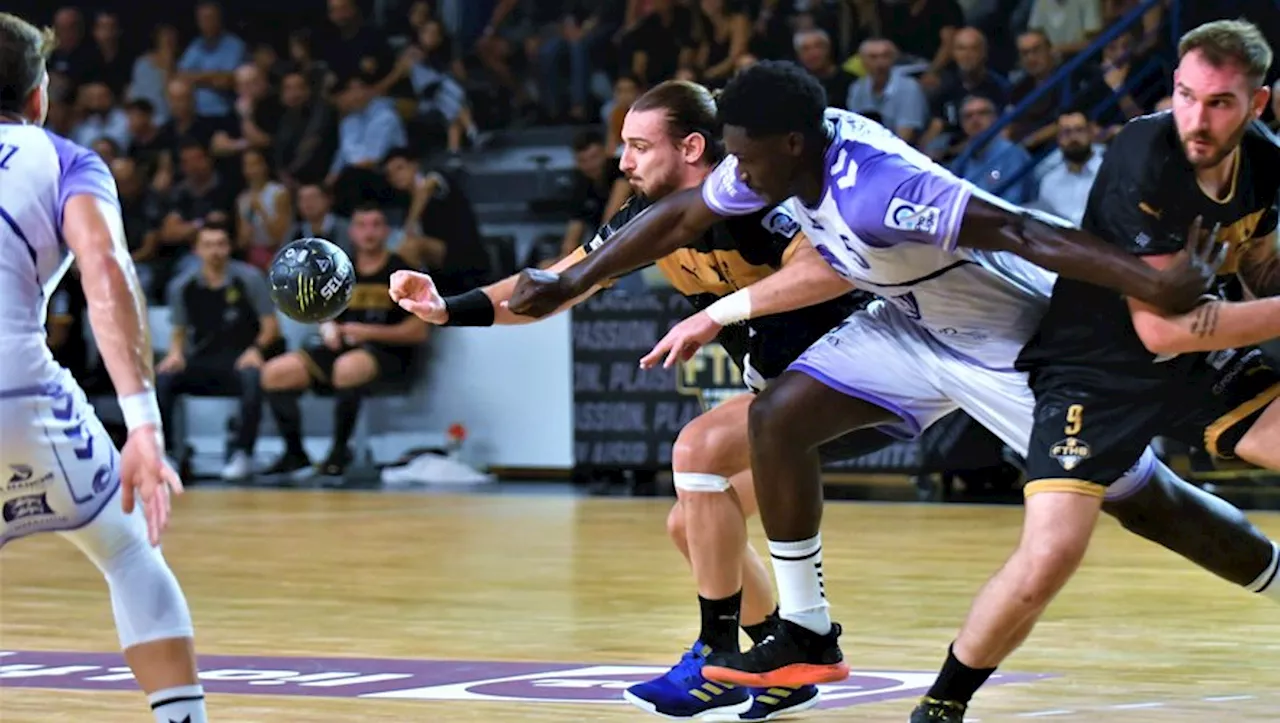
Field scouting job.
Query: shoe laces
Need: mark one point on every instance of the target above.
(690, 665)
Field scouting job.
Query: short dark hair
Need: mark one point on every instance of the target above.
(24, 49)
(216, 221)
(142, 105)
(690, 108)
(584, 139)
(187, 143)
(369, 207)
(400, 153)
(774, 97)
(1230, 42)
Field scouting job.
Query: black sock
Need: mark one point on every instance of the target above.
(761, 629)
(345, 413)
(958, 682)
(720, 622)
(284, 406)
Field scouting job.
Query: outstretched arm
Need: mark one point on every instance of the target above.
(1052, 244)
(673, 222)
(805, 279)
(416, 293)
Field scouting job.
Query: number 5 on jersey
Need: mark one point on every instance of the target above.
(1075, 420)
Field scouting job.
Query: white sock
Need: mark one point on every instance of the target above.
(802, 597)
(1267, 583)
(184, 704)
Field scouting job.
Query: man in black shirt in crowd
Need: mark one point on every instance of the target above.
(441, 232)
(374, 338)
(599, 188)
(201, 192)
(307, 136)
(224, 329)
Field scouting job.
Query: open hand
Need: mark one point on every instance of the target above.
(1193, 269)
(146, 476)
(682, 342)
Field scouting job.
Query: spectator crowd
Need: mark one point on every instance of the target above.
(263, 137)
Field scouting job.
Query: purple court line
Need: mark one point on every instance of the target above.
(456, 680)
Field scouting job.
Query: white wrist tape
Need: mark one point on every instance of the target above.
(731, 309)
(140, 409)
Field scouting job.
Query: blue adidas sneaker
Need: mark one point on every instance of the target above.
(775, 703)
(682, 692)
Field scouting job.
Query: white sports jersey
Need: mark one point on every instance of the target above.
(888, 221)
(59, 467)
(39, 172)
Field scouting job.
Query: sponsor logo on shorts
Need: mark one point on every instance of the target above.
(438, 680)
(1070, 452)
(907, 216)
(26, 506)
(24, 477)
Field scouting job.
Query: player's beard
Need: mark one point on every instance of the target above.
(1220, 151)
(657, 189)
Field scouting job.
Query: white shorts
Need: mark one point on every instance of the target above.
(59, 465)
(881, 356)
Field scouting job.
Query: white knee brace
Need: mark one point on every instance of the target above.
(145, 596)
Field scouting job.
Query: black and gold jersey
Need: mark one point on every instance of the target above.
(370, 300)
(733, 254)
(1144, 200)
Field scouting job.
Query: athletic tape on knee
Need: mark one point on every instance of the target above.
(700, 482)
(1136, 478)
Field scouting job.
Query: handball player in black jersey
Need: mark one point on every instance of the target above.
(372, 339)
(670, 146)
(1111, 373)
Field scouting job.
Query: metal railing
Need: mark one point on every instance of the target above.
(1062, 81)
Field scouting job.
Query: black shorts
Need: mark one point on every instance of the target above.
(1091, 426)
(319, 359)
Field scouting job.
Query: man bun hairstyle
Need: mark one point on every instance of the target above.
(690, 108)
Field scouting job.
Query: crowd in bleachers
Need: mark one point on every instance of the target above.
(287, 132)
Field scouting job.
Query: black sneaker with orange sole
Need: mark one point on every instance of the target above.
(791, 656)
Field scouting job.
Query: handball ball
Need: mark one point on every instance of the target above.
(311, 280)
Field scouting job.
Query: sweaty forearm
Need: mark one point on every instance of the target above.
(117, 314)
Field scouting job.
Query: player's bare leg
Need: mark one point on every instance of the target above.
(788, 422)
(1055, 535)
(757, 588)
(708, 451)
(708, 525)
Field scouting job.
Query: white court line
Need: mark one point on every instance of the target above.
(1045, 713)
(1137, 706)
(1228, 698)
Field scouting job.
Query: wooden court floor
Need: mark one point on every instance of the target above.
(338, 606)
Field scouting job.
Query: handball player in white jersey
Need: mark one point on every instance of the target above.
(964, 282)
(58, 202)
